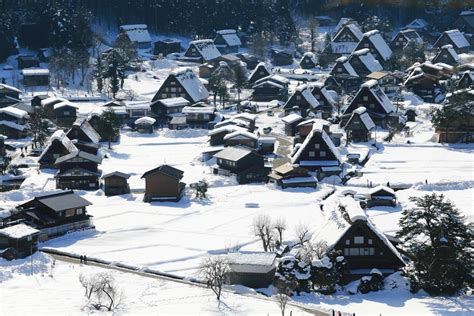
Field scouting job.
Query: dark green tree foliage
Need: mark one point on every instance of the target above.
(113, 69)
(240, 81)
(376, 23)
(109, 126)
(39, 126)
(326, 57)
(328, 272)
(401, 60)
(458, 109)
(293, 274)
(8, 27)
(440, 244)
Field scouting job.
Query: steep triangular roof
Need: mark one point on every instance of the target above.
(165, 169)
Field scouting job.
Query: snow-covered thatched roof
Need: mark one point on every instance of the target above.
(137, 33)
(191, 84)
(458, 39)
(384, 101)
(61, 137)
(366, 57)
(230, 37)
(207, 49)
(15, 112)
(379, 43)
(18, 231)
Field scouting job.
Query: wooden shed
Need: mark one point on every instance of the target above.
(115, 183)
(163, 184)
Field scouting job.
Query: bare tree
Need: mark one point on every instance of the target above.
(312, 250)
(102, 291)
(313, 25)
(262, 228)
(283, 296)
(214, 271)
(280, 227)
(303, 233)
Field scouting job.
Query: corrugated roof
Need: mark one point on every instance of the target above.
(62, 201)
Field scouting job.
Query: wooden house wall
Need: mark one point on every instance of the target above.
(160, 185)
(172, 88)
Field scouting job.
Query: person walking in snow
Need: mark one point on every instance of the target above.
(80, 258)
(85, 259)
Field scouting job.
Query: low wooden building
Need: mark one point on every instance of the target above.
(35, 77)
(200, 115)
(381, 196)
(377, 46)
(250, 60)
(289, 176)
(346, 39)
(178, 122)
(27, 61)
(144, 125)
(455, 38)
(65, 113)
(241, 138)
(8, 95)
(363, 62)
(302, 100)
(447, 55)
(163, 184)
(259, 72)
(268, 90)
(13, 130)
(58, 145)
(350, 231)
(403, 38)
(182, 83)
(37, 99)
(378, 105)
(164, 109)
(359, 126)
(281, 57)
(202, 51)
(115, 183)
(227, 41)
(167, 46)
(18, 241)
(318, 153)
(251, 269)
(137, 34)
(291, 121)
(48, 105)
(389, 82)
(55, 214)
(246, 164)
(82, 130)
(325, 98)
(78, 170)
(308, 61)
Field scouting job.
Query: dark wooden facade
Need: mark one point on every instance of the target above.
(16, 247)
(308, 61)
(163, 184)
(364, 249)
(446, 55)
(116, 183)
(27, 62)
(260, 71)
(246, 164)
(65, 115)
(445, 39)
(356, 130)
(268, 90)
(281, 58)
(172, 88)
(167, 46)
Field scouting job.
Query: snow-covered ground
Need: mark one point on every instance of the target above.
(54, 289)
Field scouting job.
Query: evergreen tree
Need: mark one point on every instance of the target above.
(240, 81)
(440, 244)
(328, 272)
(109, 126)
(215, 83)
(39, 126)
(98, 69)
(326, 57)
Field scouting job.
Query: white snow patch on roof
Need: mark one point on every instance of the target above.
(137, 33)
(18, 231)
(206, 48)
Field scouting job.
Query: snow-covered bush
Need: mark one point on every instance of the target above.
(371, 283)
(328, 272)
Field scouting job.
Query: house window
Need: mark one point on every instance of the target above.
(365, 98)
(298, 97)
(91, 185)
(366, 45)
(173, 89)
(173, 83)
(69, 213)
(348, 242)
(316, 146)
(164, 96)
(322, 154)
(339, 69)
(78, 211)
(193, 50)
(371, 106)
(66, 113)
(369, 241)
(312, 154)
(28, 238)
(445, 56)
(55, 156)
(358, 240)
(364, 251)
(353, 251)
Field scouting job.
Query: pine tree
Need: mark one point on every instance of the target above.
(39, 126)
(109, 126)
(440, 244)
(98, 74)
(240, 80)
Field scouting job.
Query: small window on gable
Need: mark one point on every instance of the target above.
(358, 240)
(369, 241)
(322, 154)
(311, 154)
(348, 242)
(316, 146)
(365, 98)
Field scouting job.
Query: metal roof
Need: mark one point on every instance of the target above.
(62, 201)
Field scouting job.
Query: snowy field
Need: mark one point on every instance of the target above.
(55, 288)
